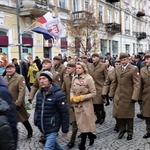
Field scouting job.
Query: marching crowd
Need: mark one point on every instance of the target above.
(72, 91)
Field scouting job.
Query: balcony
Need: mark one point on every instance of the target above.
(80, 15)
(140, 13)
(141, 35)
(35, 8)
(113, 28)
(112, 1)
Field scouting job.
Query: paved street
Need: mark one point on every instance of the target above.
(106, 136)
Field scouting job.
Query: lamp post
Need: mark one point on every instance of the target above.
(19, 34)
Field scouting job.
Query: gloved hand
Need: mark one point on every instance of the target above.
(140, 102)
(71, 98)
(30, 101)
(103, 96)
(18, 107)
(133, 101)
(77, 99)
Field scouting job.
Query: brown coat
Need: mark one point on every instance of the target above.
(124, 88)
(66, 89)
(108, 82)
(84, 111)
(145, 88)
(17, 89)
(58, 73)
(99, 74)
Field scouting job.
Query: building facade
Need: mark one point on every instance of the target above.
(126, 26)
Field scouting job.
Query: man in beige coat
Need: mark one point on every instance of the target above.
(125, 89)
(16, 87)
(99, 73)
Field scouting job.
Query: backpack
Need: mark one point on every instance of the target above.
(6, 137)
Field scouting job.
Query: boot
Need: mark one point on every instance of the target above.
(92, 137)
(28, 128)
(83, 141)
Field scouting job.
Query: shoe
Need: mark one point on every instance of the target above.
(147, 135)
(116, 129)
(70, 145)
(42, 140)
(92, 138)
(140, 116)
(121, 134)
(129, 137)
(79, 136)
(97, 121)
(81, 147)
(102, 120)
(29, 135)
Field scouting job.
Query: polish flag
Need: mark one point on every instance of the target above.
(46, 18)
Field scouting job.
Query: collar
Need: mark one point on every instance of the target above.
(124, 67)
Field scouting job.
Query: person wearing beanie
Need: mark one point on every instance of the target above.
(125, 89)
(46, 66)
(51, 111)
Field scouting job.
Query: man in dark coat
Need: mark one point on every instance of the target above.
(12, 117)
(51, 111)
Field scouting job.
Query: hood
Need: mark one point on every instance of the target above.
(2, 83)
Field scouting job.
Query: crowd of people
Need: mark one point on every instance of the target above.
(73, 90)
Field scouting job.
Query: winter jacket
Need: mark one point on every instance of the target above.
(12, 118)
(51, 111)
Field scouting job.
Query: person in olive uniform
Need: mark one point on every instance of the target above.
(98, 71)
(125, 89)
(145, 93)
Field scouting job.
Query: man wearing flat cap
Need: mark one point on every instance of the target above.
(99, 73)
(51, 111)
(58, 70)
(125, 90)
(17, 89)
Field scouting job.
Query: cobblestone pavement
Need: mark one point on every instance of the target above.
(106, 136)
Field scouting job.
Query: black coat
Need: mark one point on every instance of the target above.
(12, 118)
(51, 111)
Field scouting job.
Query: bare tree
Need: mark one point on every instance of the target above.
(85, 29)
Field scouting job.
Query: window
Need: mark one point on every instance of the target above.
(108, 16)
(86, 5)
(116, 17)
(100, 13)
(114, 47)
(133, 26)
(75, 5)
(127, 23)
(3, 33)
(62, 3)
(127, 48)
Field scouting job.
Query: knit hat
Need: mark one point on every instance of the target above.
(47, 74)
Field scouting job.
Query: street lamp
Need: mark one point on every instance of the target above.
(26, 4)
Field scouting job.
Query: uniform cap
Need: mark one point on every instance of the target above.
(117, 60)
(83, 57)
(71, 64)
(123, 55)
(46, 60)
(95, 55)
(147, 55)
(56, 58)
(47, 74)
(10, 65)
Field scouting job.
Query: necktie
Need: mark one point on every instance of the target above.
(122, 69)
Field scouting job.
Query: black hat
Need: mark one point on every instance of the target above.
(47, 74)
(137, 57)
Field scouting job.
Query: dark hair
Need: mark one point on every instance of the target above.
(14, 59)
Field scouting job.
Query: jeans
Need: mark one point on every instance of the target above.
(51, 143)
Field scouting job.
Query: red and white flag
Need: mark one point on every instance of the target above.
(52, 25)
(46, 18)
